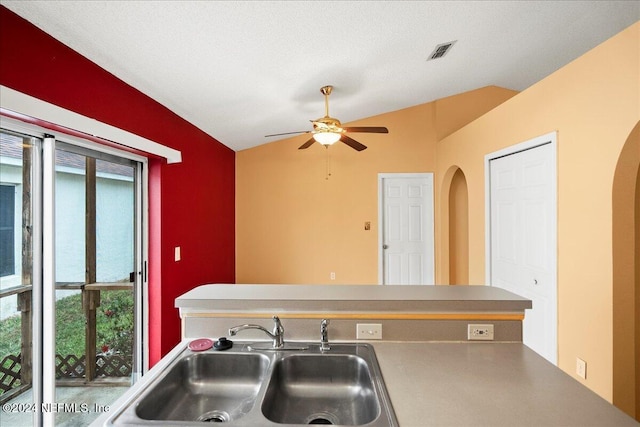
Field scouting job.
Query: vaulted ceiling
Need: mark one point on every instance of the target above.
(240, 70)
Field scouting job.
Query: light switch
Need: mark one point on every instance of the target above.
(581, 368)
(176, 253)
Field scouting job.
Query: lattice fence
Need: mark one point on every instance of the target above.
(73, 366)
(70, 366)
(113, 366)
(10, 373)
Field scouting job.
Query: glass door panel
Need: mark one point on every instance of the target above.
(95, 246)
(16, 276)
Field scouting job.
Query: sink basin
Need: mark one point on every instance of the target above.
(251, 385)
(210, 387)
(321, 389)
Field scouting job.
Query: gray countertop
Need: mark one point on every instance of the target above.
(470, 384)
(461, 384)
(487, 384)
(331, 298)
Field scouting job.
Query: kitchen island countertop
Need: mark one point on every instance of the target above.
(349, 298)
(487, 384)
(471, 384)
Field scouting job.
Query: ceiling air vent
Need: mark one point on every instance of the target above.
(441, 50)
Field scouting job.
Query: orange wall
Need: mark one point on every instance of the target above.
(458, 230)
(626, 277)
(593, 103)
(296, 226)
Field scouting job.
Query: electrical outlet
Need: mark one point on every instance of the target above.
(369, 331)
(480, 332)
(581, 368)
(332, 275)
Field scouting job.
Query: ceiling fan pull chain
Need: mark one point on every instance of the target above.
(327, 163)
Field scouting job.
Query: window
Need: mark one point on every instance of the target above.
(7, 230)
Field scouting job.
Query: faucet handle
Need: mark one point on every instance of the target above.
(324, 327)
(278, 329)
(278, 333)
(324, 335)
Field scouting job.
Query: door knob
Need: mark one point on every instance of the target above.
(385, 246)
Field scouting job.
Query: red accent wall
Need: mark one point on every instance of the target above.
(192, 204)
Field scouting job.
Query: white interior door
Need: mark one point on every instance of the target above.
(523, 238)
(406, 239)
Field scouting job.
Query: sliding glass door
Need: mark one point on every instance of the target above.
(87, 303)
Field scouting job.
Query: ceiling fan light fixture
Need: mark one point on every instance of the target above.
(327, 138)
(328, 130)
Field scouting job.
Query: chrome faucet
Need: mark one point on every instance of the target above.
(277, 336)
(324, 335)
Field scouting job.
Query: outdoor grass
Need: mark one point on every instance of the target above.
(114, 321)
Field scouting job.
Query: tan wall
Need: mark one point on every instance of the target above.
(626, 277)
(458, 230)
(593, 103)
(295, 226)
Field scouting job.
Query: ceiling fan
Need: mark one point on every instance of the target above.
(328, 130)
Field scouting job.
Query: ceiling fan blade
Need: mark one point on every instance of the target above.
(367, 129)
(287, 133)
(307, 144)
(353, 143)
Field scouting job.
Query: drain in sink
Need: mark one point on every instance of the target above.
(214, 417)
(325, 418)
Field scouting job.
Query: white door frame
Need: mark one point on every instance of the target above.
(549, 138)
(430, 224)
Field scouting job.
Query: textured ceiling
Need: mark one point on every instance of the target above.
(240, 70)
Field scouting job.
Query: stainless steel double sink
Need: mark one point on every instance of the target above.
(249, 386)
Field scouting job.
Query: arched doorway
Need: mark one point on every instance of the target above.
(626, 277)
(458, 230)
(455, 210)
